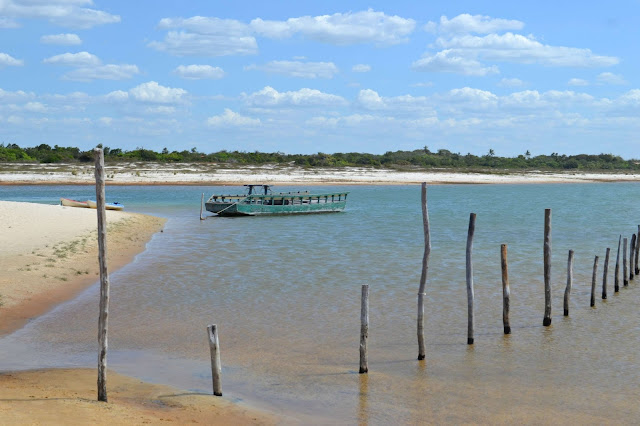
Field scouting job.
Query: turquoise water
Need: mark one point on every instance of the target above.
(285, 292)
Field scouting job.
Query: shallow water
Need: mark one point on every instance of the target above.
(285, 292)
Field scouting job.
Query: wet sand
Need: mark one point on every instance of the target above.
(49, 254)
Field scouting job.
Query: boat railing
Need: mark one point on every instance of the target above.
(284, 198)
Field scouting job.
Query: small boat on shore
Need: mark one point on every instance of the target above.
(260, 200)
(67, 202)
(109, 206)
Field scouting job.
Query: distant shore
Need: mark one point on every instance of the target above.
(215, 174)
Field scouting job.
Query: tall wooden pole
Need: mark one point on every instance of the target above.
(201, 206)
(616, 279)
(364, 328)
(567, 291)
(594, 278)
(637, 251)
(506, 291)
(472, 228)
(216, 366)
(605, 273)
(425, 270)
(632, 250)
(625, 277)
(547, 268)
(104, 276)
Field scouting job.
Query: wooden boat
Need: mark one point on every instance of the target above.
(67, 202)
(260, 200)
(109, 206)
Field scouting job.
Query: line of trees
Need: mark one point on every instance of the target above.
(419, 158)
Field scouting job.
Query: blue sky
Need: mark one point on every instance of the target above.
(306, 77)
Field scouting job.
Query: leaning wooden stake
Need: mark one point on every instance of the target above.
(625, 277)
(605, 273)
(637, 251)
(547, 268)
(425, 270)
(201, 206)
(567, 291)
(616, 279)
(472, 228)
(104, 276)
(364, 328)
(216, 366)
(632, 250)
(594, 278)
(506, 291)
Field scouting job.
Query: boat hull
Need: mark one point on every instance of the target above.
(107, 206)
(265, 210)
(73, 203)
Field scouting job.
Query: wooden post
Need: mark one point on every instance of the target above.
(625, 277)
(632, 249)
(216, 366)
(605, 273)
(637, 251)
(104, 276)
(616, 279)
(425, 270)
(567, 291)
(364, 328)
(201, 206)
(547, 268)
(506, 291)
(594, 277)
(472, 228)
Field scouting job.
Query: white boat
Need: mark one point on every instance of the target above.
(73, 203)
(109, 206)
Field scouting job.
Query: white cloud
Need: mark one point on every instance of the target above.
(298, 69)
(370, 99)
(472, 97)
(199, 72)
(349, 28)
(117, 96)
(361, 68)
(8, 60)
(67, 13)
(73, 59)
(480, 24)
(423, 84)
(155, 93)
(106, 121)
(611, 78)
(452, 62)
(160, 110)
(204, 36)
(6, 96)
(102, 72)
(517, 48)
(6, 23)
(35, 107)
(232, 119)
(577, 82)
(511, 82)
(269, 97)
(61, 39)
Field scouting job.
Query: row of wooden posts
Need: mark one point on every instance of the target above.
(506, 292)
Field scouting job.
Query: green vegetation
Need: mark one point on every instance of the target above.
(419, 158)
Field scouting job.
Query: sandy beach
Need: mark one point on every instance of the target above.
(49, 254)
(217, 174)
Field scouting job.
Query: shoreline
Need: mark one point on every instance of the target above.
(49, 256)
(204, 174)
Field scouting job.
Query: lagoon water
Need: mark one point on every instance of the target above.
(285, 293)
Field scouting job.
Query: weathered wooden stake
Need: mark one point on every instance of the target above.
(625, 277)
(364, 328)
(616, 279)
(605, 273)
(637, 251)
(567, 291)
(632, 250)
(425, 270)
(104, 276)
(594, 277)
(472, 228)
(547, 268)
(201, 206)
(506, 291)
(216, 366)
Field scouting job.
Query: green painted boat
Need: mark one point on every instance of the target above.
(261, 200)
